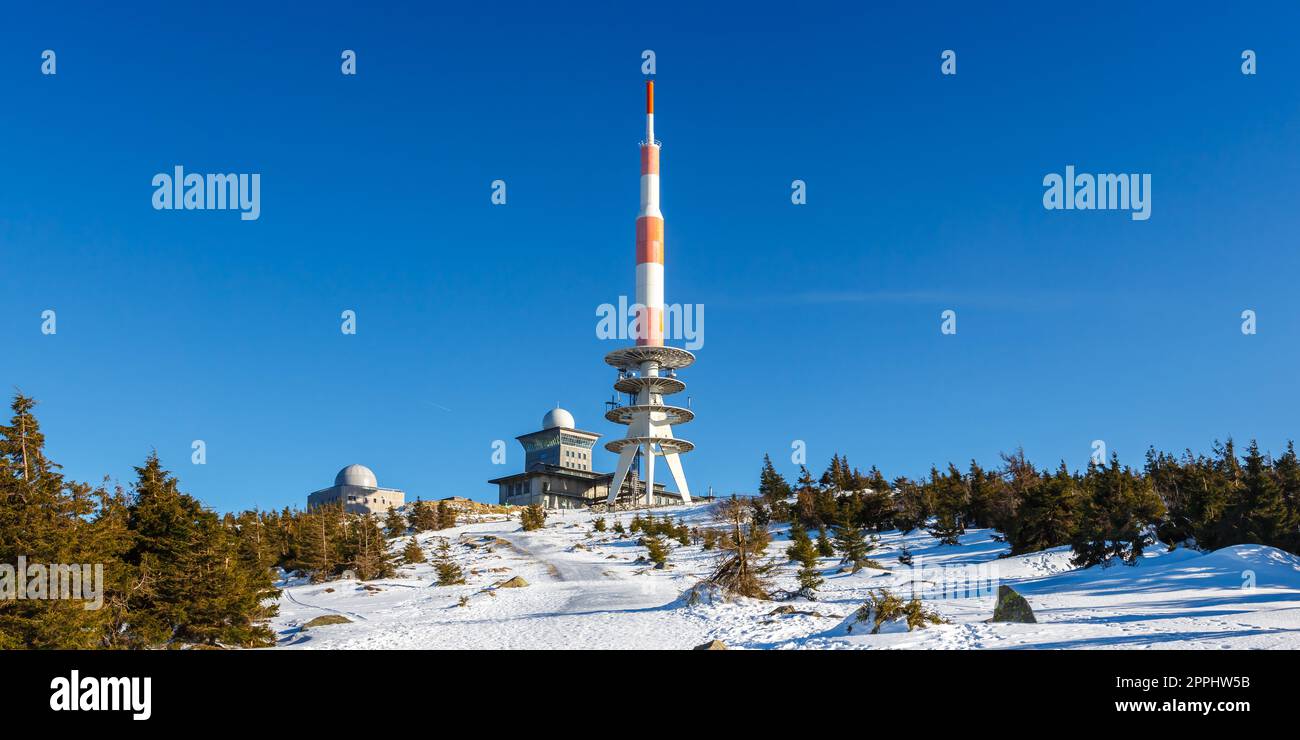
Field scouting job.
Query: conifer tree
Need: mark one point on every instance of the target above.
(424, 517)
(599, 524)
(824, 547)
(951, 500)
(810, 579)
(193, 585)
(1047, 514)
(413, 553)
(1286, 469)
(682, 533)
(876, 509)
(447, 515)
(42, 518)
(739, 571)
(798, 540)
(852, 544)
(618, 527)
(1118, 507)
(911, 504)
(656, 551)
(368, 549)
(320, 542)
(709, 538)
(395, 523)
(805, 507)
(1259, 514)
(772, 486)
(532, 517)
(449, 573)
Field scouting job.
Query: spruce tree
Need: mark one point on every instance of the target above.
(449, 573)
(413, 553)
(1047, 514)
(656, 551)
(911, 504)
(424, 517)
(739, 571)
(852, 544)
(824, 547)
(951, 501)
(193, 585)
(1259, 514)
(532, 517)
(365, 543)
(1118, 507)
(772, 486)
(1286, 470)
(682, 533)
(877, 506)
(320, 542)
(395, 523)
(805, 507)
(798, 541)
(446, 515)
(810, 578)
(43, 518)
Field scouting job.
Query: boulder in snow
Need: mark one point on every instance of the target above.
(325, 620)
(1012, 607)
(711, 645)
(704, 593)
(516, 582)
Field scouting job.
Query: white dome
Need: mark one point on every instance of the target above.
(558, 418)
(356, 475)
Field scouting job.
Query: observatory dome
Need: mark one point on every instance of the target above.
(356, 475)
(558, 418)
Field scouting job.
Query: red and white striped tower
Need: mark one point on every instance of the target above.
(649, 422)
(650, 236)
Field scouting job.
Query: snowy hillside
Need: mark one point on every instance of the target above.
(586, 590)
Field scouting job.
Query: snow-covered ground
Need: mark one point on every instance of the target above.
(586, 590)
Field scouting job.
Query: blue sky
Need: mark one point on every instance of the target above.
(822, 320)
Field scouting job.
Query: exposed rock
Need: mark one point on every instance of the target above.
(704, 593)
(1012, 607)
(787, 609)
(711, 645)
(516, 582)
(327, 620)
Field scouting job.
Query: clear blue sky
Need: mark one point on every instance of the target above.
(822, 321)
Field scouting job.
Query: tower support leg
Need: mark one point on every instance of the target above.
(679, 476)
(620, 474)
(649, 475)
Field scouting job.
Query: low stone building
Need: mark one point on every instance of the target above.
(357, 489)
